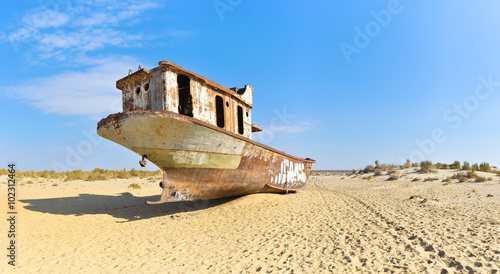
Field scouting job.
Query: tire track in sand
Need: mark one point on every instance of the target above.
(425, 256)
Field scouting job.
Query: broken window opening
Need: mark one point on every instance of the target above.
(138, 90)
(185, 99)
(219, 111)
(241, 129)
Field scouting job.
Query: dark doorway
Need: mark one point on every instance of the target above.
(185, 99)
(219, 111)
(241, 128)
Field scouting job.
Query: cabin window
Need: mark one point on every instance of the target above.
(219, 110)
(241, 129)
(185, 99)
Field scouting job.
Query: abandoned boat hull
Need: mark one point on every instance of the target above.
(202, 161)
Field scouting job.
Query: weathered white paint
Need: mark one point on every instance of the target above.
(290, 172)
(163, 95)
(156, 89)
(181, 196)
(171, 95)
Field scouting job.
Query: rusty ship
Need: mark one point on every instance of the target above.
(199, 134)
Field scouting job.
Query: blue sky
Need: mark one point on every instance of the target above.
(343, 82)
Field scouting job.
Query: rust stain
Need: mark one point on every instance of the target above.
(200, 158)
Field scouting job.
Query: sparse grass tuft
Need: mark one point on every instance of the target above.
(392, 171)
(415, 196)
(134, 186)
(29, 182)
(55, 184)
(393, 177)
(407, 164)
(368, 169)
(415, 179)
(96, 177)
(431, 179)
(479, 178)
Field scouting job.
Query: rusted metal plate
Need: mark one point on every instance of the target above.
(203, 161)
(200, 160)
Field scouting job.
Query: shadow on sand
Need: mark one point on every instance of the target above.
(125, 206)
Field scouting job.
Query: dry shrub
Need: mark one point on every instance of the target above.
(393, 177)
(426, 167)
(134, 186)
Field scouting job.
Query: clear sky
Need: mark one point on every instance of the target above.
(343, 82)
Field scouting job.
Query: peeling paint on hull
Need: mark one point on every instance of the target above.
(202, 161)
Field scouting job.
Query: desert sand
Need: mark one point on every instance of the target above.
(338, 223)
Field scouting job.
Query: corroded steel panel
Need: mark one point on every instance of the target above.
(218, 163)
(199, 159)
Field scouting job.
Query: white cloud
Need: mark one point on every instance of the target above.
(65, 29)
(91, 92)
(44, 18)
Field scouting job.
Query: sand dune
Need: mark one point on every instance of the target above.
(335, 224)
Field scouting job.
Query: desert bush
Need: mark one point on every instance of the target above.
(28, 173)
(439, 165)
(134, 186)
(485, 167)
(415, 179)
(446, 179)
(368, 169)
(391, 171)
(43, 174)
(425, 167)
(378, 172)
(29, 182)
(55, 184)
(96, 177)
(414, 165)
(475, 167)
(431, 179)
(393, 177)
(462, 178)
(407, 164)
(377, 164)
(4, 171)
(478, 178)
(455, 165)
(466, 166)
(135, 173)
(74, 175)
(123, 174)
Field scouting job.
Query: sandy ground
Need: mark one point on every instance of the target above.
(337, 224)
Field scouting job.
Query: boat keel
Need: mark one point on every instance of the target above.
(170, 194)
